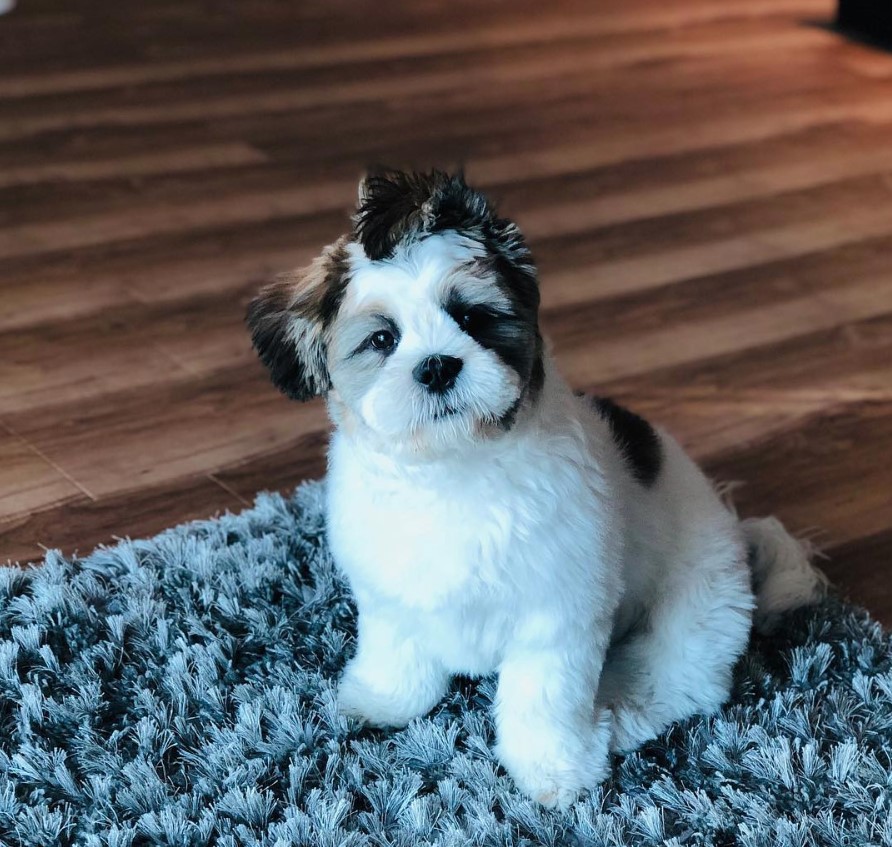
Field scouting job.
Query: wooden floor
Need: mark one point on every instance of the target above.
(707, 187)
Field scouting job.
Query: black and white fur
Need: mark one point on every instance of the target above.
(487, 518)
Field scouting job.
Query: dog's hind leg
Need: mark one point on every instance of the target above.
(679, 661)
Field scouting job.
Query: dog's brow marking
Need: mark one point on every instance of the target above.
(477, 291)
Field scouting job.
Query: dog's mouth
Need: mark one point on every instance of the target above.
(445, 412)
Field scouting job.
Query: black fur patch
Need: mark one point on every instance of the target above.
(395, 207)
(636, 438)
(537, 377)
(511, 337)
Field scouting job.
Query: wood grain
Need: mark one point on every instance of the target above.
(707, 188)
(28, 481)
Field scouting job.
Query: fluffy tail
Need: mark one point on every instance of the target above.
(784, 577)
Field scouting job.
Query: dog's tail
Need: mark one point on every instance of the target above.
(784, 577)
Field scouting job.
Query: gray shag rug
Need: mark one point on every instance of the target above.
(179, 691)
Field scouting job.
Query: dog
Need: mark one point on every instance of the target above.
(490, 520)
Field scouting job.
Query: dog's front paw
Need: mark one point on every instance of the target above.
(552, 785)
(386, 702)
(352, 700)
(370, 705)
(554, 768)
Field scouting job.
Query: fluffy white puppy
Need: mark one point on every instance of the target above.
(488, 519)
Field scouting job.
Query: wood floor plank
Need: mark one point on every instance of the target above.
(80, 524)
(827, 473)
(154, 435)
(281, 469)
(28, 483)
(559, 204)
(271, 204)
(607, 181)
(35, 299)
(860, 567)
(140, 222)
(381, 87)
(492, 98)
(214, 260)
(518, 31)
(727, 127)
(422, 128)
(78, 360)
(607, 54)
(742, 330)
(49, 363)
(565, 217)
(633, 313)
(716, 404)
(606, 278)
(223, 155)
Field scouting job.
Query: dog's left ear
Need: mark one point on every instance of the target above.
(288, 320)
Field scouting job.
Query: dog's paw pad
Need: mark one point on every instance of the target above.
(556, 797)
(557, 776)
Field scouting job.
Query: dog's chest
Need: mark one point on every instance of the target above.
(420, 544)
(438, 559)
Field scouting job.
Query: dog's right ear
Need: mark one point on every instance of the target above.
(288, 321)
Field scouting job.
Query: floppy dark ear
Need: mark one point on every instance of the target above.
(288, 321)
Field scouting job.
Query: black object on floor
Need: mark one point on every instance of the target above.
(869, 18)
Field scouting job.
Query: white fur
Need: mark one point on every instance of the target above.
(783, 574)
(609, 609)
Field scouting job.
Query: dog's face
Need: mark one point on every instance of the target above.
(421, 326)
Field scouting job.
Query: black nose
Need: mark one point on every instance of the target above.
(437, 373)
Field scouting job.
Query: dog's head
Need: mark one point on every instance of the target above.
(420, 326)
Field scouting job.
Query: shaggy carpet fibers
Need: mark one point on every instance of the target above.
(179, 691)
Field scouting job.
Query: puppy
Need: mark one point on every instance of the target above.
(488, 519)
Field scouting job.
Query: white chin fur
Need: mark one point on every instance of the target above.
(398, 408)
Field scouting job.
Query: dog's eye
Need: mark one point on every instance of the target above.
(383, 340)
(473, 319)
